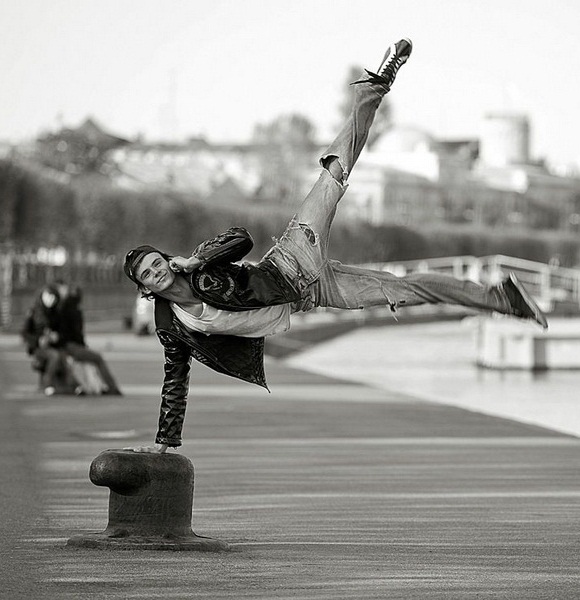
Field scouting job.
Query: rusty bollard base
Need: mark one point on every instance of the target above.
(104, 541)
(150, 504)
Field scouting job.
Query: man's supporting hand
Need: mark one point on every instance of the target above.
(155, 449)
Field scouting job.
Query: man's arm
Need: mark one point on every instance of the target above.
(227, 247)
(173, 398)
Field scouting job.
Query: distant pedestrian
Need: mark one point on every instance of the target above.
(70, 326)
(209, 308)
(43, 343)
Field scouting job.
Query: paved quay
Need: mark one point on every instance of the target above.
(324, 489)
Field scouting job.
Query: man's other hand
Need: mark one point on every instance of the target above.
(187, 265)
(155, 449)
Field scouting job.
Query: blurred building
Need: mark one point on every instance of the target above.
(505, 139)
(410, 177)
(193, 165)
(85, 148)
(407, 177)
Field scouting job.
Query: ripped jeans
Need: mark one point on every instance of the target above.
(300, 255)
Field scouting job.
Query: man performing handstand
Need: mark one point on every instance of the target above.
(209, 308)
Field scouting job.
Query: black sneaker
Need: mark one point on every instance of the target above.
(522, 303)
(395, 57)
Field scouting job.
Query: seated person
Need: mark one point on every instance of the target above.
(40, 334)
(70, 327)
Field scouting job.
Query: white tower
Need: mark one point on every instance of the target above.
(505, 139)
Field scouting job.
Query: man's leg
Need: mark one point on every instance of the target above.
(344, 286)
(319, 207)
(301, 253)
(349, 287)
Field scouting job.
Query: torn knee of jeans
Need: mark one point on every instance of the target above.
(333, 165)
(311, 236)
(392, 304)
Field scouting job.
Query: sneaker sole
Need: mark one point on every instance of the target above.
(394, 53)
(536, 310)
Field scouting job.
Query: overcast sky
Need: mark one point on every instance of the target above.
(179, 68)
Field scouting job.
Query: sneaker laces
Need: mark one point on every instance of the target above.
(393, 66)
(391, 69)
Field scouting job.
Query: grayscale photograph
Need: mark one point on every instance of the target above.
(290, 299)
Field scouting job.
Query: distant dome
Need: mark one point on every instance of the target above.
(403, 138)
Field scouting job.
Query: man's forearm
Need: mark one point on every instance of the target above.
(173, 395)
(172, 411)
(229, 246)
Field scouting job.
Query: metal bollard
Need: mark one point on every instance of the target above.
(150, 503)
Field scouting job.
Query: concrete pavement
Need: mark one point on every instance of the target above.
(324, 488)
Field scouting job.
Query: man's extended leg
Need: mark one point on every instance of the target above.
(301, 253)
(345, 286)
(319, 207)
(349, 287)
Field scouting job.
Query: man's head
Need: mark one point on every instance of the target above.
(148, 267)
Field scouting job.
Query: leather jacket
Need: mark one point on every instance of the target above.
(228, 286)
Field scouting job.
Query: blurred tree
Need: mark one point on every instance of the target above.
(36, 210)
(10, 177)
(285, 147)
(384, 116)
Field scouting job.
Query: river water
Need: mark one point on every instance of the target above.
(436, 362)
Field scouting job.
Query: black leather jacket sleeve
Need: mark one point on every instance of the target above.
(227, 247)
(174, 393)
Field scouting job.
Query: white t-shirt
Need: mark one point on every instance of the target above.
(257, 322)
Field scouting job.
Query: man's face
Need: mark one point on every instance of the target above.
(154, 273)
